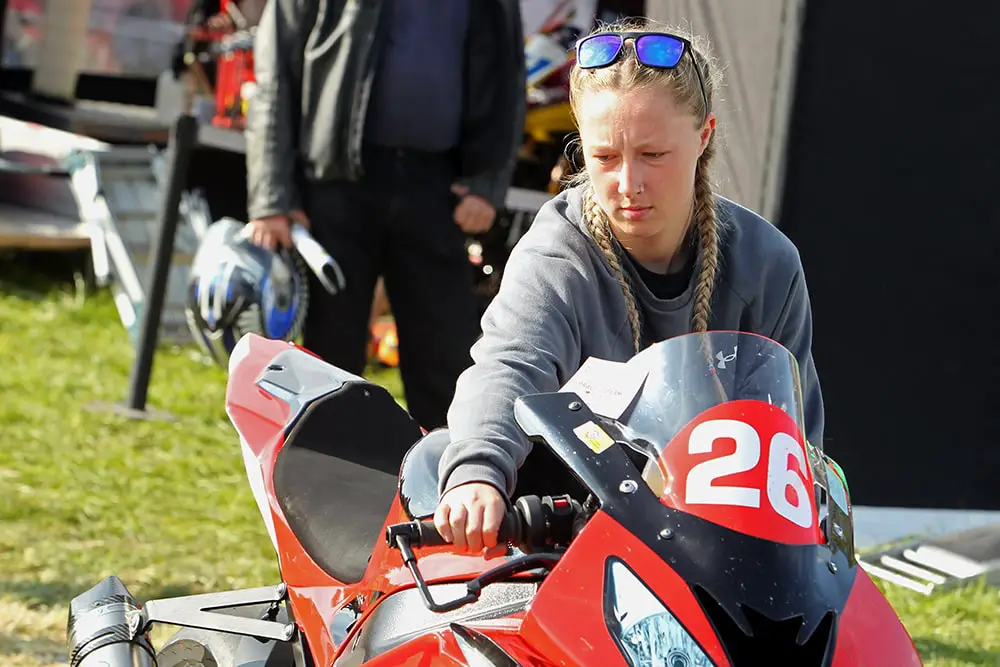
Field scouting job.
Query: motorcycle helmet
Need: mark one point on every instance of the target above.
(237, 288)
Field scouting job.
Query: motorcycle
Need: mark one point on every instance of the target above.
(671, 514)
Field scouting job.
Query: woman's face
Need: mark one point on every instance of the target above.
(641, 152)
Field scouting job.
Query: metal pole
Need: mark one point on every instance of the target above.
(183, 137)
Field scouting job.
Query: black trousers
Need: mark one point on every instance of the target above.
(398, 222)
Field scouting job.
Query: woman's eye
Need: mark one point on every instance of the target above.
(603, 159)
(653, 156)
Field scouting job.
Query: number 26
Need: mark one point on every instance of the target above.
(699, 487)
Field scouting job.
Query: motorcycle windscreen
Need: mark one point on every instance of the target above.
(720, 417)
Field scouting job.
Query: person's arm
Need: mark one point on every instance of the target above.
(272, 115)
(492, 185)
(793, 329)
(530, 344)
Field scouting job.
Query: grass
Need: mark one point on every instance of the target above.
(164, 504)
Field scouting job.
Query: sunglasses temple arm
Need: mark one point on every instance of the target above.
(701, 82)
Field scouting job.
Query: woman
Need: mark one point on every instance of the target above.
(639, 250)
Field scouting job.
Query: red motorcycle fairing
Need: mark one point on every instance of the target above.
(730, 568)
(765, 600)
(546, 634)
(460, 645)
(582, 638)
(869, 632)
(325, 512)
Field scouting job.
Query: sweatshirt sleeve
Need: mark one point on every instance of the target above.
(793, 329)
(530, 344)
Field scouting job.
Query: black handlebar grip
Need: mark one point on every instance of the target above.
(427, 534)
(511, 529)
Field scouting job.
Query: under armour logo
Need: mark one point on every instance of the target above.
(723, 359)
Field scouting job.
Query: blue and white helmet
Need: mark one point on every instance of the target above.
(236, 288)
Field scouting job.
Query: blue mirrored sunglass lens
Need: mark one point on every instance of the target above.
(659, 50)
(598, 51)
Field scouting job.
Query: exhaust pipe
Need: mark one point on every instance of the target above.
(103, 628)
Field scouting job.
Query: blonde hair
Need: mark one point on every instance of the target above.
(626, 74)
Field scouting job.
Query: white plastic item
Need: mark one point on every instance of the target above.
(325, 267)
(543, 56)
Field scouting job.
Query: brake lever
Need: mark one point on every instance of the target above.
(474, 587)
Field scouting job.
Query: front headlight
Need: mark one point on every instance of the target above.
(645, 630)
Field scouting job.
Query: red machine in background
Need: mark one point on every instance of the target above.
(235, 80)
(235, 83)
(225, 40)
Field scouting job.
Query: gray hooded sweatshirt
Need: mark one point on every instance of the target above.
(559, 302)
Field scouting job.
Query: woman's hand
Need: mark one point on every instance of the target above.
(469, 516)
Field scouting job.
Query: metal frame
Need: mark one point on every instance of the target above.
(194, 611)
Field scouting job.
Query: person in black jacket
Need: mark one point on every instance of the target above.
(390, 128)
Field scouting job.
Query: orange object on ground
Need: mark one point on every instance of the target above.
(384, 343)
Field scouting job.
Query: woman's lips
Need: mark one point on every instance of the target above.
(633, 213)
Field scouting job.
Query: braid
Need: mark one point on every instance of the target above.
(707, 228)
(600, 230)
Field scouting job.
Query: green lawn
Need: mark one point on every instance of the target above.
(164, 505)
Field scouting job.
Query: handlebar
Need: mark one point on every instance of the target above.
(533, 524)
(425, 533)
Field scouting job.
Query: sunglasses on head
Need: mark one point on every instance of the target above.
(653, 49)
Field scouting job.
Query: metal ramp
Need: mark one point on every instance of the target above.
(37, 208)
(119, 193)
(949, 561)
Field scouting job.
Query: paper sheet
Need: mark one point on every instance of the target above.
(607, 387)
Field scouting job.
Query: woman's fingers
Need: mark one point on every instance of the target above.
(493, 514)
(458, 518)
(474, 527)
(442, 521)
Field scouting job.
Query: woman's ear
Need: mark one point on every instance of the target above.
(707, 130)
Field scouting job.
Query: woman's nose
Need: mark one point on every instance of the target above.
(628, 180)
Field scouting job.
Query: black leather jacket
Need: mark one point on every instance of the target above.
(314, 64)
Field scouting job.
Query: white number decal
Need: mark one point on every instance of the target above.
(699, 482)
(780, 478)
(700, 489)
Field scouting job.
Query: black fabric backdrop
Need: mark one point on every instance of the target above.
(891, 193)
